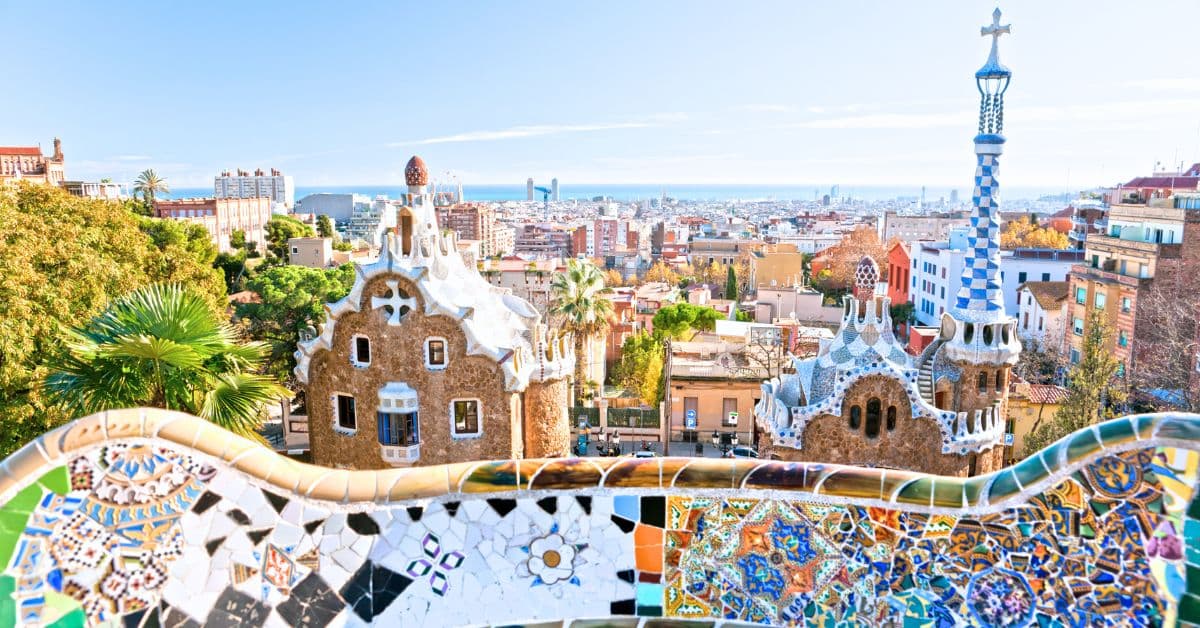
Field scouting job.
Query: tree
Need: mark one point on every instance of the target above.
(612, 278)
(280, 229)
(293, 298)
(641, 367)
(660, 272)
(187, 257)
(842, 259)
(237, 239)
(681, 321)
(1167, 345)
(63, 258)
(579, 301)
(1039, 363)
(731, 284)
(162, 346)
(149, 185)
(1027, 234)
(1092, 395)
(325, 227)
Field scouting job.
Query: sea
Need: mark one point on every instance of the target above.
(683, 191)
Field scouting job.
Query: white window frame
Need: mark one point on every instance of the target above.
(354, 351)
(333, 402)
(454, 434)
(445, 354)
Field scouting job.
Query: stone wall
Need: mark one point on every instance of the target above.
(398, 355)
(148, 517)
(546, 427)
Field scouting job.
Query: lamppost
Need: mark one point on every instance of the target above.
(601, 440)
(616, 440)
(581, 442)
(725, 445)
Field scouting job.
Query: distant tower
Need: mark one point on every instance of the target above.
(529, 189)
(554, 189)
(978, 338)
(954, 197)
(922, 197)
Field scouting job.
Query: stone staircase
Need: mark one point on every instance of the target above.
(925, 373)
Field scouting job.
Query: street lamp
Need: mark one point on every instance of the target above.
(616, 439)
(716, 438)
(601, 438)
(734, 439)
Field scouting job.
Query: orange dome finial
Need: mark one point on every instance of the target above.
(415, 173)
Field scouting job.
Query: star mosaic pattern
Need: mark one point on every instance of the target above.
(1100, 529)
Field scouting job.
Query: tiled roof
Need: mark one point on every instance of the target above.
(21, 150)
(1048, 293)
(1047, 393)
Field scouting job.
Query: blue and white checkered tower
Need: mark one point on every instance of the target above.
(979, 304)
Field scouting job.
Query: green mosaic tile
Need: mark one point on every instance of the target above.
(57, 481)
(1003, 486)
(948, 493)
(1116, 432)
(917, 492)
(1081, 445)
(1029, 471)
(74, 619)
(8, 606)
(13, 517)
(1179, 428)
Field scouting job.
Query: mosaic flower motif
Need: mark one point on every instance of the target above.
(999, 597)
(436, 563)
(552, 559)
(759, 577)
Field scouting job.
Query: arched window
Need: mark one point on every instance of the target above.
(406, 231)
(999, 380)
(989, 333)
(874, 415)
(855, 417)
(983, 381)
(891, 418)
(968, 332)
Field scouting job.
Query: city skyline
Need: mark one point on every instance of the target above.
(658, 95)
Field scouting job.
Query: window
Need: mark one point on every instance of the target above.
(874, 412)
(1025, 320)
(982, 382)
(729, 411)
(360, 351)
(891, 418)
(1077, 326)
(1081, 295)
(1120, 369)
(399, 429)
(1126, 304)
(1041, 323)
(464, 417)
(295, 250)
(1101, 300)
(1122, 339)
(435, 353)
(1022, 277)
(343, 414)
(1074, 356)
(999, 380)
(855, 417)
(1095, 261)
(1045, 276)
(943, 272)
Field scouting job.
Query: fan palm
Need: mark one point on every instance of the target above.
(149, 184)
(579, 299)
(162, 346)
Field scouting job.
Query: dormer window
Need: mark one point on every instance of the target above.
(435, 353)
(360, 351)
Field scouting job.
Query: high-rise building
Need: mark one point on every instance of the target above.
(276, 186)
(554, 189)
(26, 163)
(864, 400)
(474, 221)
(529, 189)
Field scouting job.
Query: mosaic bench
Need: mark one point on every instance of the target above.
(148, 517)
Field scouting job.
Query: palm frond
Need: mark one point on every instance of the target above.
(235, 401)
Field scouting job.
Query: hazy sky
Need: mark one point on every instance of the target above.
(693, 91)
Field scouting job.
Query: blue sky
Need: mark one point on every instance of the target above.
(692, 91)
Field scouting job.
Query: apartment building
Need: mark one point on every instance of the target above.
(542, 240)
(912, 228)
(280, 188)
(221, 217)
(474, 221)
(311, 252)
(1041, 312)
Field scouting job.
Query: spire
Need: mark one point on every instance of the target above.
(979, 297)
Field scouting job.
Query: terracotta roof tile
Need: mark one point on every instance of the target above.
(1047, 393)
(21, 150)
(1049, 294)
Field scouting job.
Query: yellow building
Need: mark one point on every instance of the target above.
(779, 266)
(26, 163)
(1029, 406)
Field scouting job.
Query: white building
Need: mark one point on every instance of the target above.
(339, 207)
(371, 223)
(937, 266)
(1042, 312)
(275, 186)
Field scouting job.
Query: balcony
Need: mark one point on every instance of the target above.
(1097, 274)
(400, 455)
(1138, 247)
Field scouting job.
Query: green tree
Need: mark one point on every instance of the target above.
(237, 239)
(681, 321)
(580, 302)
(187, 254)
(743, 317)
(63, 258)
(325, 226)
(293, 298)
(162, 346)
(149, 185)
(641, 367)
(731, 284)
(1092, 394)
(282, 228)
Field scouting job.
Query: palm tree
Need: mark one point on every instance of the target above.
(162, 346)
(149, 185)
(579, 299)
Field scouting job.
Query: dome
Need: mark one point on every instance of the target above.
(415, 173)
(866, 275)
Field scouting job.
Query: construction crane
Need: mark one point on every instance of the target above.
(545, 199)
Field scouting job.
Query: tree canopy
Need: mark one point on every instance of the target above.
(63, 258)
(293, 297)
(282, 228)
(641, 367)
(681, 320)
(1027, 234)
(841, 260)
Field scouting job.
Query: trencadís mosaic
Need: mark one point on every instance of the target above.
(142, 518)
